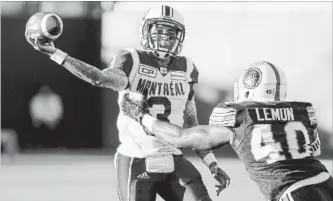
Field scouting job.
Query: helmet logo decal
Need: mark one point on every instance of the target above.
(252, 78)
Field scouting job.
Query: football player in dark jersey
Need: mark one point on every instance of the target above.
(146, 165)
(276, 140)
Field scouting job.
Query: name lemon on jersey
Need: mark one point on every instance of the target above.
(280, 114)
(159, 88)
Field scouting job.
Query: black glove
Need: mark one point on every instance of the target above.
(134, 106)
(220, 176)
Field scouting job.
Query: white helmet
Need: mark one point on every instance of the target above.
(261, 81)
(162, 31)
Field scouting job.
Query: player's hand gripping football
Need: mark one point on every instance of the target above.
(47, 48)
(220, 176)
(135, 105)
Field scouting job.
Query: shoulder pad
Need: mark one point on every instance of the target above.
(223, 115)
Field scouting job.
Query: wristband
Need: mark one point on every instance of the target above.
(148, 121)
(209, 159)
(58, 56)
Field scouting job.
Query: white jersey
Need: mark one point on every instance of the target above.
(169, 89)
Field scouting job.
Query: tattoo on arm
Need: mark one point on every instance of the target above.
(115, 79)
(191, 120)
(190, 114)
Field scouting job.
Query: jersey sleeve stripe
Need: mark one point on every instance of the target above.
(223, 110)
(222, 120)
(223, 114)
(225, 124)
(231, 116)
(223, 117)
(230, 121)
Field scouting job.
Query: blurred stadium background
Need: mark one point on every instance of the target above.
(58, 133)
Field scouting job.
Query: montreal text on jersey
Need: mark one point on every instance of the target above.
(158, 88)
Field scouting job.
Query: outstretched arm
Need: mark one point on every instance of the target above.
(197, 138)
(114, 77)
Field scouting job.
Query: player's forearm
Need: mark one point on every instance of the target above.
(193, 138)
(115, 79)
(161, 129)
(83, 70)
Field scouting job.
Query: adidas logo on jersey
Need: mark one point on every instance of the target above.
(143, 176)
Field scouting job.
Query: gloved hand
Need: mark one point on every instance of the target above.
(134, 106)
(220, 176)
(47, 48)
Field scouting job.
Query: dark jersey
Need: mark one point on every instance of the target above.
(276, 141)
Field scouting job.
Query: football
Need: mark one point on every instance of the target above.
(45, 26)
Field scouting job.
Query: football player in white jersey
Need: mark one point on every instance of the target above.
(145, 164)
(277, 140)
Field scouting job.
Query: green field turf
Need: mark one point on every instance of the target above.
(61, 177)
